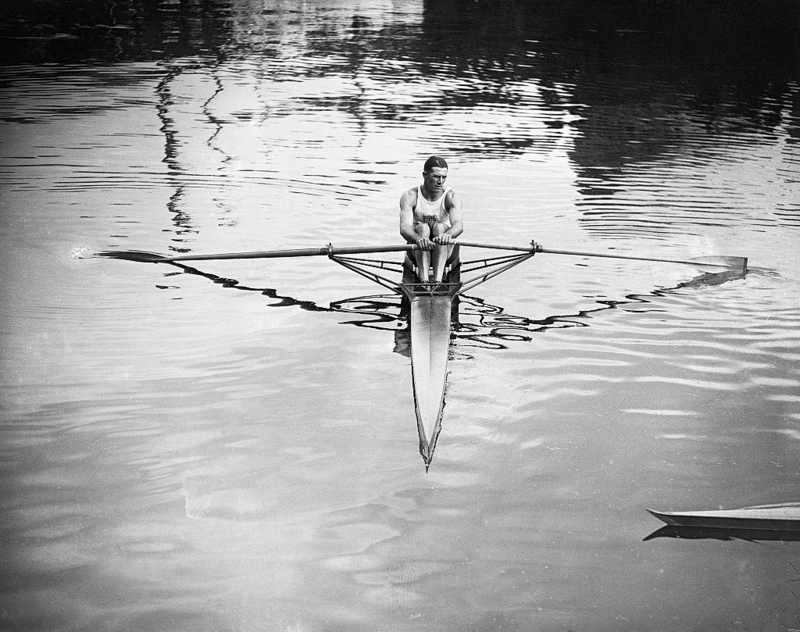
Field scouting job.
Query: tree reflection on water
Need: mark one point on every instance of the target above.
(639, 82)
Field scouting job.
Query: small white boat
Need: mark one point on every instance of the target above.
(783, 517)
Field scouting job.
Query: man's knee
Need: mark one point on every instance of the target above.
(423, 230)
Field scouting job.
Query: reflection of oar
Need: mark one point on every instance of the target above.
(706, 264)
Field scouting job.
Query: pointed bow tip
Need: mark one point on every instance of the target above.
(660, 515)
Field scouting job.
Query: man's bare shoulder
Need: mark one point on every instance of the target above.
(409, 197)
(451, 197)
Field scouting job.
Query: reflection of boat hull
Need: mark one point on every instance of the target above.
(710, 533)
(430, 346)
(784, 517)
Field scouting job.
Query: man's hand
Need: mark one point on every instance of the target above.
(425, 244)
(443, 239)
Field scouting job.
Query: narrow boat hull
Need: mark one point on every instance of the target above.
(784, 517)
(430, 344)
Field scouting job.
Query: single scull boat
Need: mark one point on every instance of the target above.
(430, 312)
(430, 304)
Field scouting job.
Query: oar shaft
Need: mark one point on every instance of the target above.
(577, 253)
(606, 255)
(725, 263)
(495, 246)
(300, 252)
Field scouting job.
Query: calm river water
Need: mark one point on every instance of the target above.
(231, 446)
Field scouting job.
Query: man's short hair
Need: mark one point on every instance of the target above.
(434, 161)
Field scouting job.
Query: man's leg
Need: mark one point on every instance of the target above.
(440, 254)
(423, 257)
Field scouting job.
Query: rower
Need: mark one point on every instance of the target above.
(430, 216)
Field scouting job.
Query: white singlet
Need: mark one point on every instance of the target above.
(431, 213)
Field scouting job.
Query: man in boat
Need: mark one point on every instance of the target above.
(430, 216)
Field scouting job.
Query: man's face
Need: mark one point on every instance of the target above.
(434, 179)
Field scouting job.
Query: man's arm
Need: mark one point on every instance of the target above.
(407, 203)
(453, 203)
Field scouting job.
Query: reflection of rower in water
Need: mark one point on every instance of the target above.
(430, 216)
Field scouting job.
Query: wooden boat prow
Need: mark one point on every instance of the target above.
(782, 517)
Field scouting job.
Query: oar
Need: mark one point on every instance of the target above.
(706, 264)
(149, 257)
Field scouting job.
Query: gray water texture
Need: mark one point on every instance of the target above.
(231, 445)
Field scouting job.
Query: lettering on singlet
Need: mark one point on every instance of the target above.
(431, 213)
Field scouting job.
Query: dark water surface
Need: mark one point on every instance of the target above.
(232, 445)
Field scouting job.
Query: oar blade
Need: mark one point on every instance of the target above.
(726, 264)
(131, 255)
